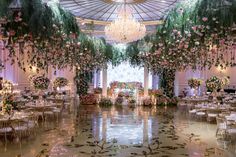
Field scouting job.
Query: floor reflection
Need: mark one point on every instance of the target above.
(126, 132)
(127, 128)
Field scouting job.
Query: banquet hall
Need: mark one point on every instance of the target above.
(117, 78)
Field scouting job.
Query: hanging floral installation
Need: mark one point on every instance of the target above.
(47, 36)
(196, 34)
(42, 35)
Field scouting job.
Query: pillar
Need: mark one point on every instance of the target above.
(146, 81)
(98, 81)
(104, 82)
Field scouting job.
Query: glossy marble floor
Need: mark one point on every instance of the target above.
(90, 131)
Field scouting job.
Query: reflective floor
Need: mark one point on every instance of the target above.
(124, 132)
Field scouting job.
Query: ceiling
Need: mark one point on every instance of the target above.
(106, 10)
(102, 12)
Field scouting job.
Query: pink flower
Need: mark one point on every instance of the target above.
(222, 42)
(204, 19)
(194, 28)
(12, 33)
(186, 46)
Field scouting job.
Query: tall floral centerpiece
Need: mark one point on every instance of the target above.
(7, 103)
(60, 82)
(194, 83)
(40, 83)
(7, 96)
(215, 84)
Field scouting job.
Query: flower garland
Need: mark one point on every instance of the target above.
(60, 82)
(194, 83)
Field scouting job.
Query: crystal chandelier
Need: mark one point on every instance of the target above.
(125, 28)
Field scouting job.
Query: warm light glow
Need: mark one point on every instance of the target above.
(34, 69)
(221, 69)
(125, 28)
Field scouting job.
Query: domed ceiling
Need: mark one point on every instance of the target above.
(102, 12)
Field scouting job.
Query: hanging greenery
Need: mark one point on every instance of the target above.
(195, 34)
(45, 33)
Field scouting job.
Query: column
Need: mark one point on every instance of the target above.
(104, 82)
(146, 81)
(98, 78)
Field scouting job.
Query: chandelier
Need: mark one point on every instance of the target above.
(125, 28)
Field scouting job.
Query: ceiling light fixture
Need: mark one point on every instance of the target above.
(125, 28)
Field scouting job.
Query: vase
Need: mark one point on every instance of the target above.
(40, 94)
(214, 94)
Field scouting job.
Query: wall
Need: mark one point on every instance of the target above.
(181, 79)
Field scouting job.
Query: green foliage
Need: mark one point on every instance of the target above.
(4, 7)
